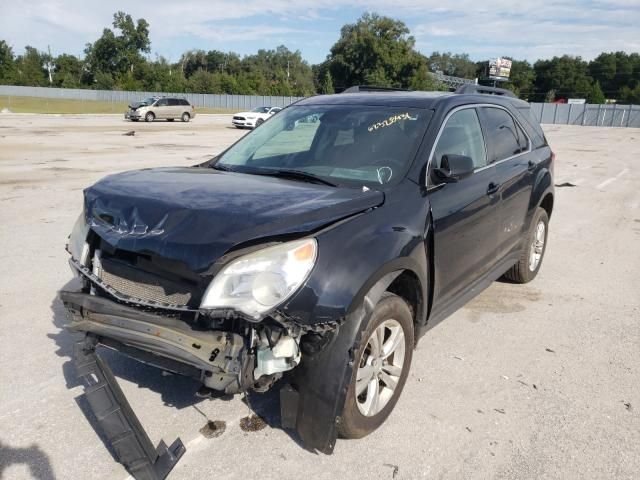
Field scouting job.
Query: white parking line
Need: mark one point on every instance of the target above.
(600, 186)
(623, 172)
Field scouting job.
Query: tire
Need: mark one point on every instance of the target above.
(185, 117)
(169, 119)
(533, 251)
(390, 314)
(149, 117)
(259, 122)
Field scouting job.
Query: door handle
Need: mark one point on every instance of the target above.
(531, 166)
(493, 188)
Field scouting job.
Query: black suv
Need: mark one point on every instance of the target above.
(316, 252)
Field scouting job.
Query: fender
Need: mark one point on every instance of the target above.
(323, 377)
(542, 185)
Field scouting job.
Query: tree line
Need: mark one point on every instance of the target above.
(375, 50)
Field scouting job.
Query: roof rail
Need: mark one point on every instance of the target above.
(472, 88)
(372, 88)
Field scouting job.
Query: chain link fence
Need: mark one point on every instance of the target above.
(614, 115)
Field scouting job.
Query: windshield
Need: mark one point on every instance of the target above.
(261, 110)
(345, 144)
(148, 101)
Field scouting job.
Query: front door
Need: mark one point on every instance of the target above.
(465, 214)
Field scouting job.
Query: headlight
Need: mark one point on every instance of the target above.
(78, 246)
(259, 281)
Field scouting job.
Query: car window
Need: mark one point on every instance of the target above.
(162, 102)
(502, 133)
(298, 139)
(351, 145)
(182, 101)
(523, 141)
(462, 135)
(173, 102)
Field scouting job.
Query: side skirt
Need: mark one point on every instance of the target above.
(470, 293)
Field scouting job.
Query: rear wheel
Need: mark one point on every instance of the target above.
(532, 253)
(149, 117)
(185, 117)
(383, 362)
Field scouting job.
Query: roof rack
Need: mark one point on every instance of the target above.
(472, 88)
(372, 88)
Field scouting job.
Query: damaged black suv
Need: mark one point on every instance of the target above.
(317, 249)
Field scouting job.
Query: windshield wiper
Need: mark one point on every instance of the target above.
(296, 175)
(224, 168)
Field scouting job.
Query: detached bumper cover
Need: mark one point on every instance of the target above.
(119, 423)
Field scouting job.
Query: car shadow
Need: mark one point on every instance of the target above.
(175, 390)
(36, 460)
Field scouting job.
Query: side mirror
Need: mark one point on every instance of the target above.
(454, 168)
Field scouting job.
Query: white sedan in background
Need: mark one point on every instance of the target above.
(254, 118)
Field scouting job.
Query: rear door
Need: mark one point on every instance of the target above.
(509, 149)
(175, 109)
(465, 213)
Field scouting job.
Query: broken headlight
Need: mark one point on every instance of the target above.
(259, 281)
(77, 245)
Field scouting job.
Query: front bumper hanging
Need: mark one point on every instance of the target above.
(123, 430)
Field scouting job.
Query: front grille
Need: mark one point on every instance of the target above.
(239, 118)
(147, 286)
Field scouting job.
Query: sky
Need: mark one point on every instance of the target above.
(483, 29)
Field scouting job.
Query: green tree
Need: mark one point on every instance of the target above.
(203, 82)
(68, 71)
(30, 68)
(596, 95)
(567, 75)
(327, 83)
(119, 52)
(7, 63)
(457, 65)
(423, 80)
(374, 50)
(630, 95)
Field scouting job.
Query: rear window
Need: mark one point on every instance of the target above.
(502, 133)
(533, 126)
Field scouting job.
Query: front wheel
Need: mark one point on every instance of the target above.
(533, 249)
(383, 361)
(149, 117)
(259, 122)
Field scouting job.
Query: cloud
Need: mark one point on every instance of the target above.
(528, 30)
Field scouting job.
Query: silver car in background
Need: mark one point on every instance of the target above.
(155, 108)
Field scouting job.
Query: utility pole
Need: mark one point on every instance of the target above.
(49, 66)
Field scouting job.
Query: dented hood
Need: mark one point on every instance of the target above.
(195, 215)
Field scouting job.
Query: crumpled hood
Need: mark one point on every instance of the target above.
(195, 215)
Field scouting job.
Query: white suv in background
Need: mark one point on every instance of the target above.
(255, 117)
